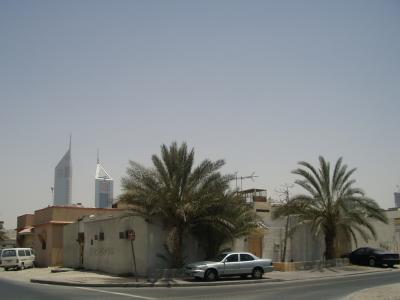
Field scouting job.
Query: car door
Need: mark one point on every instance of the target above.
(246, 263)
(232, 264)
(356, 256)
(363, 256)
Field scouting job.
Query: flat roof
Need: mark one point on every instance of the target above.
(79, 207)
(253, 190)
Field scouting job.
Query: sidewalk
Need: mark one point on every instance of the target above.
(96, 279)
(385, 292)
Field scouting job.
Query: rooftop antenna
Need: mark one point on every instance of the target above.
(252, 176)
(98, 157)
(70, 139)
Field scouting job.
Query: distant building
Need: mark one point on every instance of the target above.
(7, 239)
(43, 230)
(103, 187)
(63, 180)
(397, 199)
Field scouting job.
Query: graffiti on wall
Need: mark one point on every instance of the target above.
(102, 252)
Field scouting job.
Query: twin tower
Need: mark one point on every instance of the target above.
(63, 183)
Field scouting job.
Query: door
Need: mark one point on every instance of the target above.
(255, 245)
(246, 263)
(232, 264)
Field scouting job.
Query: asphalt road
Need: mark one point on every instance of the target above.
(333, 288)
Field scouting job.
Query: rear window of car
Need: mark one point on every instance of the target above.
(8, 253)
(246, 257)
(21, 253)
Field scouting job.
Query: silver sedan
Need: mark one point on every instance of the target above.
(230, 264)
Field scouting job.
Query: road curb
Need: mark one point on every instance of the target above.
(173, 283)
(150, 284)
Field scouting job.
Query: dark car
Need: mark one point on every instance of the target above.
(373, 257)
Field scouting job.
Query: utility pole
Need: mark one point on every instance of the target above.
(284, 192)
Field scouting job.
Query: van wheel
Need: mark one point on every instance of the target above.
(257, 273)
(5, 269)
(22, 266)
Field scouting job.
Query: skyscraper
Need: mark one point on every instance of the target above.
(397, 199)
(63, 179)
(103, 187)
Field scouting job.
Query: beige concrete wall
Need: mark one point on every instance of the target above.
(388, 235)
(302, 246)
(70, 213)
(71, 256)
(43, 256)
(56, 244)
(25, 220)
(306, 246)
(45, 222)
(25, 241)
(114, 255)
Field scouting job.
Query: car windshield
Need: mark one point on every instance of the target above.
(219, 257)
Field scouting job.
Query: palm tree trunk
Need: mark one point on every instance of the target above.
(178, 251)
(329, 246)
(283, 256)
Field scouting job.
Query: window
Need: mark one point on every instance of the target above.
(360, 251)
(122, 235)
(27, 253)
(232, 258)
(21, 253)
(246, 257)
(101, 236)
(9, 253)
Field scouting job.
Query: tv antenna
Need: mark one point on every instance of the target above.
(241, 178)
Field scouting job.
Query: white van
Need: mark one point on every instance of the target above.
(19, 258)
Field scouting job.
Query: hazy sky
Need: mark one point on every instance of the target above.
(263, 84)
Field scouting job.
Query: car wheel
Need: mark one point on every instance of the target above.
(244, 276)
(257, 273)
(390, 266)
(372, 262)
(5, 269)
(210, 275)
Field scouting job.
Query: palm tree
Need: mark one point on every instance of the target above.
(3, 235)
(332, 206)
(187, 199)
(240, 221)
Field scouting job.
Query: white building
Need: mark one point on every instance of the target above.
(63, 179)
(103, 187)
